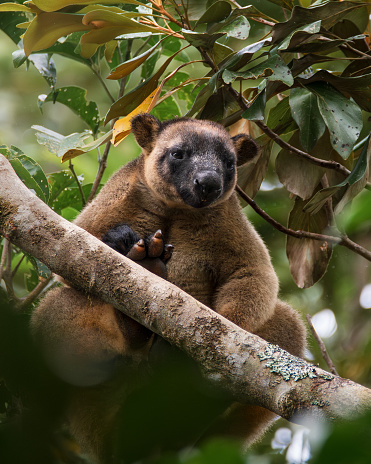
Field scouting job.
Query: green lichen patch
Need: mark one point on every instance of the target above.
(288, 366)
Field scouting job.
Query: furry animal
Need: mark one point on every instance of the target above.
(179, 191)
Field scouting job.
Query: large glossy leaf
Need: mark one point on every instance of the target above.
(47, 28)
(273, 68)
(28, 171)
(216, 13)
(106, 25)
(47, 5)
(356, 181)
(126, 104)
(342, 117)
(328, 13)
(202, 39)
(58, 181)
(75, 99)
(280, 119)
(357, 87)
(297, 35)
(129, 66)
(256, 110)
(58, 143)
(304, 110)
(298, 175)
(251, 174)
(122, 127)
(308, 258)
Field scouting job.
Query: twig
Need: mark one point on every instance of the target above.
(322, 346)
(35, 293)
(101, 169)
(3, 257)
(342, 240)
(71, 167)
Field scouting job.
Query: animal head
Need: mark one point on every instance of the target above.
(190, 162)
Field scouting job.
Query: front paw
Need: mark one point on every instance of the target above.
(151, 253)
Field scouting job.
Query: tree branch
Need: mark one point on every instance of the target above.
(249, 369)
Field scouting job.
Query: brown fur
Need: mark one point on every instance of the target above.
(218, 258)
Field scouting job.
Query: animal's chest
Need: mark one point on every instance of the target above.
(192, 266)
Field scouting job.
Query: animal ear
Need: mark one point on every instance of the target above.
(246, 148)
(145, 128)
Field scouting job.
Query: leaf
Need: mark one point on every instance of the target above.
(238, 29)
(342, 117)
(122, 127)
(280, 119)
(73, 152)
(298, 175)
(274, 69)
(308, 258)
(256, 110)
(126, 104)
(252, 174)
(305, 112)
(106, 25)
(202, 39)
(47, 5)
(296, 35)
(126, 68)
(57, 143)
(167, 109)
(75, 99)
(356, 180)
(47, 28)
(216, 13)
(58, 181)
(71, 197)
(28, 171)
(328, 13)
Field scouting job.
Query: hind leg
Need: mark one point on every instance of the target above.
(248, 423)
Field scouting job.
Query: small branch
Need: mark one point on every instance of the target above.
(101, 169)
(342, 240)
(71, 167)
(322, 346)
(102, 82)
(35, 293)
(286, 146)
(3, 257)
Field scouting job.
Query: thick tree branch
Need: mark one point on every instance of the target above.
(248, 368)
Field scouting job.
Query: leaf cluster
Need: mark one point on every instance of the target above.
(296, 76)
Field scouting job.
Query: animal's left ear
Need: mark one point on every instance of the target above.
(246, 148)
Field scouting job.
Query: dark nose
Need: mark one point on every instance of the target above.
(207, 185)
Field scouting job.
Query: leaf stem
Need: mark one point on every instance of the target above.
(322, 347)
(72, 169)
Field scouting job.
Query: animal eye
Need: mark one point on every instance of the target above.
(230, 165)
(177, 154)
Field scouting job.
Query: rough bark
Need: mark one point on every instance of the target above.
(248, 368)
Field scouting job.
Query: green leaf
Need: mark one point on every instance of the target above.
(342, 117)
(57, 143)
(202, 39)
(257, 108)
(28, 171)
(8, 24)
(47, 5)
(216, 13)
(358, 175)
(167, 109)
(328, 13)
(58, 181)
(308, 258)
(238, 29)
(296, 35)
(280, 119)
(75, 99)
(71, 197)
(273, 68)
(47, 28)
(304, 110)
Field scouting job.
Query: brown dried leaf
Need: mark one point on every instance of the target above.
(308, 258)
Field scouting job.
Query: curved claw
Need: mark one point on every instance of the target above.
(138, 251)
(168, 251)
(156, 245)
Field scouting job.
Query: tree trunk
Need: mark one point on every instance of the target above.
(247, 367)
